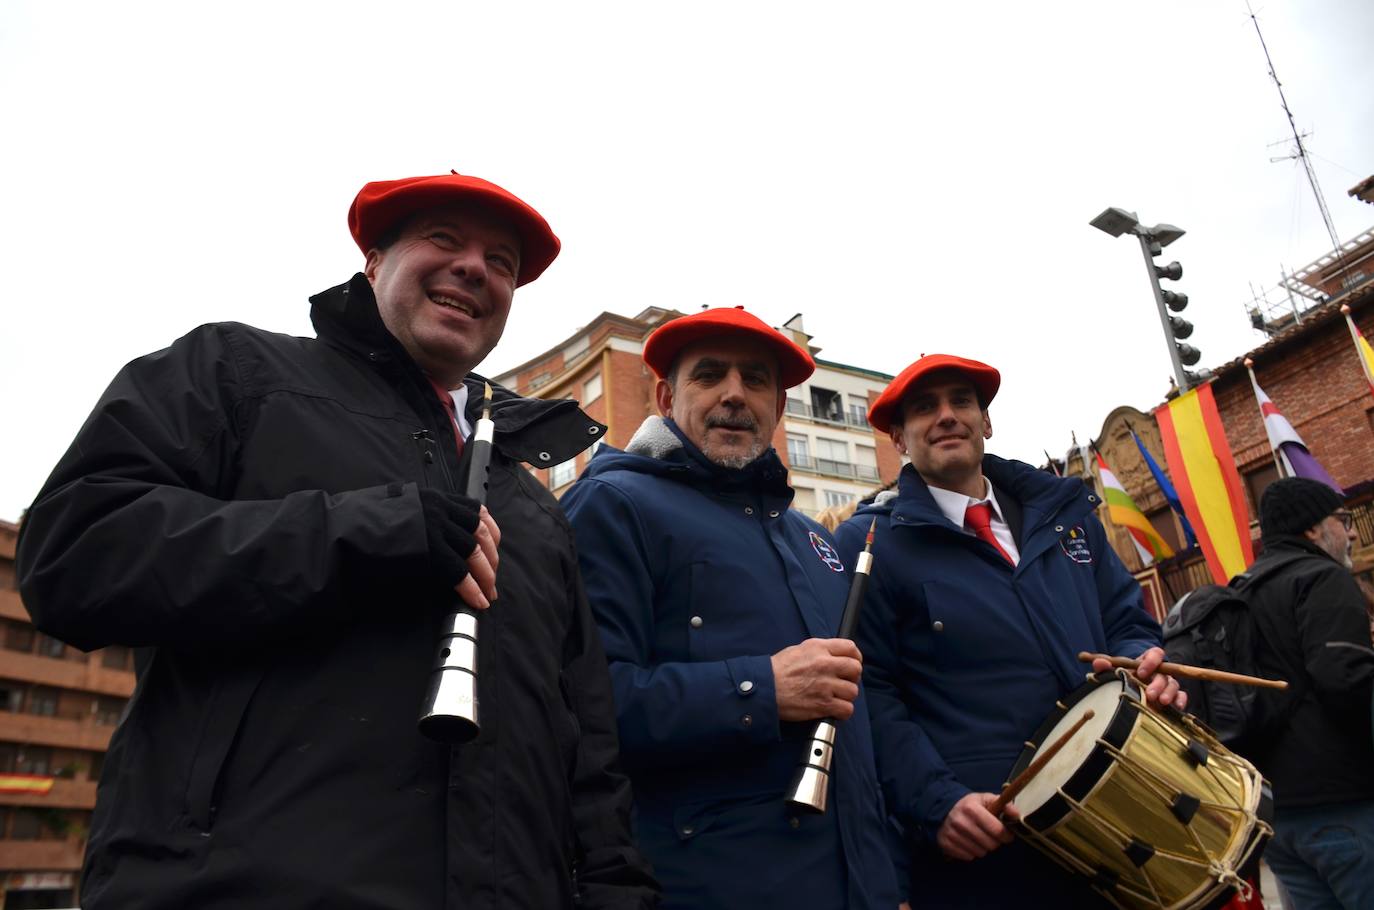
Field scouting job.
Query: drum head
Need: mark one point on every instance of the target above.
(1076, 766)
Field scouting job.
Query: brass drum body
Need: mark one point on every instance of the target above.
(1145, 803)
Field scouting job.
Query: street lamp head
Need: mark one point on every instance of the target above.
(1115, 221)
(1165, 234)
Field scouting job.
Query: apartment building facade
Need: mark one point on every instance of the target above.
(58, 708)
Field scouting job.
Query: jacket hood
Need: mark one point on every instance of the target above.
(659, 448)
(537, 431)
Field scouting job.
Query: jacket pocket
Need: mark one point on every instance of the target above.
(219, 730)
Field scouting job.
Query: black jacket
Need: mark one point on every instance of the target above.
(244, 507)
(1316, 747)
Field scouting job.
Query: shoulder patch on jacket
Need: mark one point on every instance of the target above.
(1075, 545)
(826, 552)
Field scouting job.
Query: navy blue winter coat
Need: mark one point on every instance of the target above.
(697, 574)
(964, 657)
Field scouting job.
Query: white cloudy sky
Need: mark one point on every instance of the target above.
(911, 177)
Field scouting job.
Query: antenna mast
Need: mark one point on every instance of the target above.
(1302, 149)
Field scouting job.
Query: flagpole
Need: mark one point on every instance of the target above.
(1356, 337)
(1254, 384)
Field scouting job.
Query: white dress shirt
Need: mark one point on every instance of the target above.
(954, 505)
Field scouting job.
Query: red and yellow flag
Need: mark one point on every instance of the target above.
(25, 783)
(1204, 471)
(1362, 349)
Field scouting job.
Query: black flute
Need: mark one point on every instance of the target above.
(811, 787)
(450, 713)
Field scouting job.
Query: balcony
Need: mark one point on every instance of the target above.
(47, 855)
(87, 675)
(829, 416)
(65, 794)
(826, 467)
(55, 731)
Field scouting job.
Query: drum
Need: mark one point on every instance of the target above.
(1145, 803)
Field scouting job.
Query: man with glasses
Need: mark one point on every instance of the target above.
(1316, 746)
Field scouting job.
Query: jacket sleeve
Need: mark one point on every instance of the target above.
(918, 785)
(611, 872)
(669, 712)
(1129, 627)
(135, 538)
(1331, 617)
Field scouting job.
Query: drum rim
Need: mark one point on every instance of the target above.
(1082, 782)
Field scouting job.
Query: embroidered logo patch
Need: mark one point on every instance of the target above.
(1075, 546)
(826, 552)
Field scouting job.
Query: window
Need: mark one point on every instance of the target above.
(795, 405)
(865, 462)
(1162, 520)
(50, 647)
(575, 349)
(837, 498)
(19, 636)
(33, 760)
(798, 451)
(115, 657)
(24, 825)
(591, 389)
(9, 753)
(826, 405)
(562, 474)
(43, 701)
(1258, 480)
(832, 449)
(804, 498)
(107, 710)
(858, 410)
(11, 696)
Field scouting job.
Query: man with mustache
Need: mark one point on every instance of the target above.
(718, 606)
(276, 524)
(1313, 740)
(992, 576)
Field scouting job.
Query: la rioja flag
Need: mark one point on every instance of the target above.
(1294, 458)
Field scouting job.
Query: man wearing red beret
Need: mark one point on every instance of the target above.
(718, 606)
(275, 524)
(992, 577)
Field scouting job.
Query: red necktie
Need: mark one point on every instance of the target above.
(447, 401)
(978, 519)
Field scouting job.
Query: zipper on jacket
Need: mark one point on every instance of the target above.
(427, 444)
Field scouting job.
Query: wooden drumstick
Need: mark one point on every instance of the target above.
(1018, 783)
(1190, 671)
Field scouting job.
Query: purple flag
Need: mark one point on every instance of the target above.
(1303, 464)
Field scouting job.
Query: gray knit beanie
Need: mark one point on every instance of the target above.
(1294, 504)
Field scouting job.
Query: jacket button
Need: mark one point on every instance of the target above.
(794, 822)
(696, 622)
(592, 431)
(747, 719)
(746, 687)
(544, 456)
(773, 514)
(688, 830)
(938, 626)
(748, 510)
(1092, 498)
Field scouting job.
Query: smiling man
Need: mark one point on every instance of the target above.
(718, 606)
(992, 577)
(274, 523)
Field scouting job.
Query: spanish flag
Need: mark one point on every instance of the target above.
(1204, 471)
(1362, 349)
(1123, 511)
(25, 783)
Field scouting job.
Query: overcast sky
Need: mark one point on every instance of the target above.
(911, 179)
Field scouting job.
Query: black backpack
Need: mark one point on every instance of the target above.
(1212, 627)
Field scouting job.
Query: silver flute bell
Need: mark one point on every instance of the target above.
(811, 788)
(450, 713)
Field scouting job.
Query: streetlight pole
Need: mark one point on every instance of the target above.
(1180, 374)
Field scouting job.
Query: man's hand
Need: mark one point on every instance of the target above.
(1161, 688)
(817, 678)
(970, 831)
(463, 539)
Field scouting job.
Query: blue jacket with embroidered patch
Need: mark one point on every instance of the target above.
(697, 574)
(964, 656)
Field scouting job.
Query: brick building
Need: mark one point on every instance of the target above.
(58, 709)
(1310, 369)
(833, 455)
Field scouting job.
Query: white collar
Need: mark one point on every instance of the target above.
(953, 505)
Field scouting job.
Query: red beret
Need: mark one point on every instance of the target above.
(662, 347)
(383, 204)
(984, 378)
